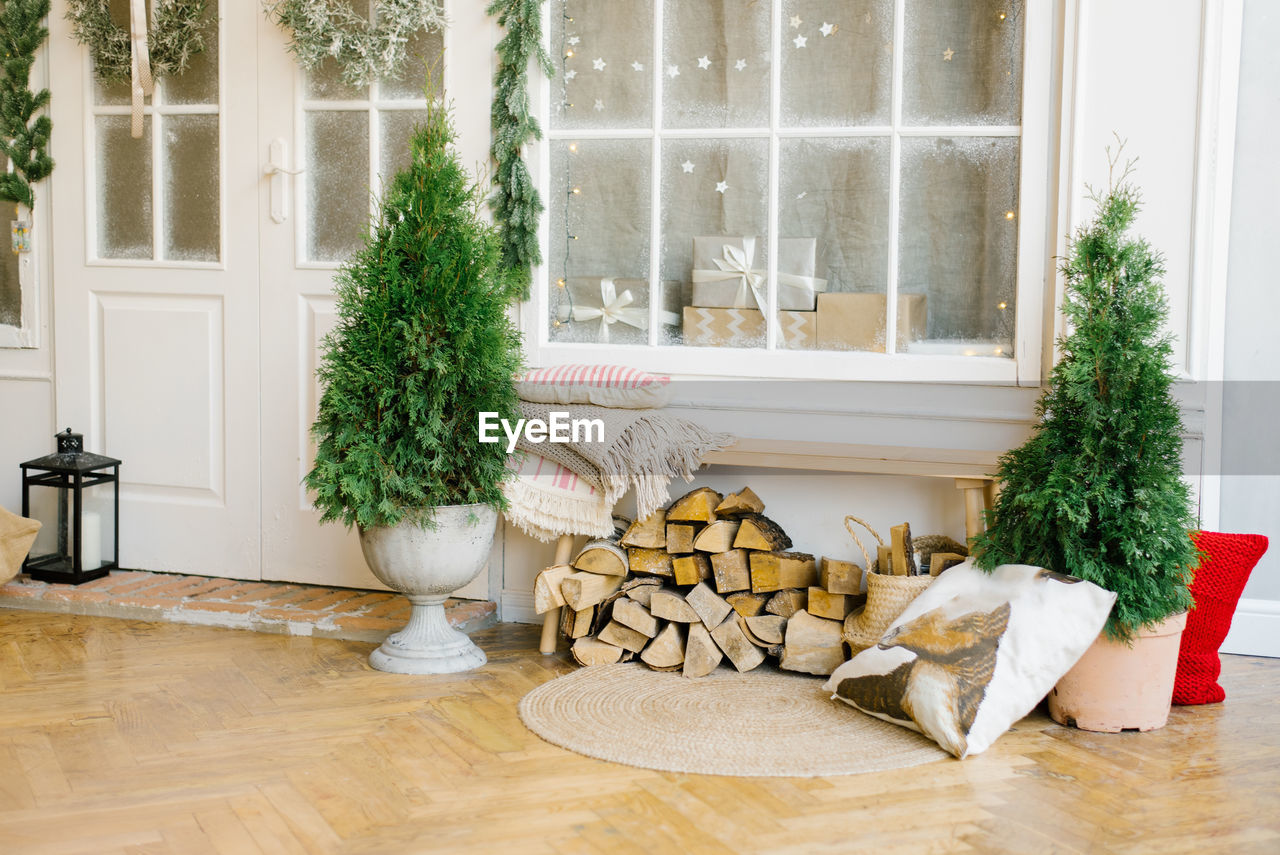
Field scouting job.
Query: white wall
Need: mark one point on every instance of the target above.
(1251, 405)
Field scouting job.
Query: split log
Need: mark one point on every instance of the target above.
(710, 607)
(624, 637)
(787, 603)
(840, 577)
(824, 604)
(668, 605)
(732, 571)
(546, 588)
(695, 506)
(767, 628)
(602, 556)
(631, 614)
(884, 560)
(582, 590)
(759, 532)
(641, 589)
(813, 645)
(742, 502)
(666, 651)
(717, 537)
(773, 571)
(648, 533)
(733, 641)
(680, 538)
(655, 562)
(904, 556)
(940, 561)
(701, 653)
(577, 623)
(751, 636)
(593, 651)
(691, 569)
(746, 604)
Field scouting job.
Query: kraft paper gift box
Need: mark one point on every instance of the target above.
(856, 321)
(730, 273)
(613, 311)
(714, 327)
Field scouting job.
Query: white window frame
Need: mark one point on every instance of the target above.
(1035, 219)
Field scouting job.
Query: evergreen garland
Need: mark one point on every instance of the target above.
(423, 344)
(365, 51)
(1096, 492)
(24, 142)
(516, 203)
(175, 35)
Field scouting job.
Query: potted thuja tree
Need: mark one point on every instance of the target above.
(422, 345)
(1097, 491)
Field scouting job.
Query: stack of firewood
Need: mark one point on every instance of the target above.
(708, 578)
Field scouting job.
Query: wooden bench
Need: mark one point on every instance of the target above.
(971, 471)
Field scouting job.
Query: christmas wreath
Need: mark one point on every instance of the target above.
(365, 50)
(175, 35)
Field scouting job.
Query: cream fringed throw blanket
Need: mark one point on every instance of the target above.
(642, 449)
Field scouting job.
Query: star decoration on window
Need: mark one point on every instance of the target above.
(947, 54)
(638, 66)
(673, 71)
(573, 40)
(687, 166)
(599, 64)
(802, 194)
(599, 106)
(740, 64)
(704, 63)
(827, 29)
(796, 22)
(721, 187)
(800, 41)
(570, 74)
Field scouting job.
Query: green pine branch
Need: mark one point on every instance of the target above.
(516, 203)
(422, 345)
(1097, 491)
(24, 136)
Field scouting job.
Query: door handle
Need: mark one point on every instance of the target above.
(277, 169)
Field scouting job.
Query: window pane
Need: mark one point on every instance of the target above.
(191, 193)
(599, 228)
(837, 64)
(337, 182)
(715, 197)
(835, 192)
(397, 129)
(716, 64)
(603, 55)
(959, 239)
(963, 62)
(10, 291)
(199, 83)
(424, 53)
(123, 167)
(324, 83)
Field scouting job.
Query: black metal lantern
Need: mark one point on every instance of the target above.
(80, 537)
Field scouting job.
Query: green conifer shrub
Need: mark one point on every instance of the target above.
(423, 344)
(1096, 491)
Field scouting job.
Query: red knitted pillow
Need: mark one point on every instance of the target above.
(1219, 581)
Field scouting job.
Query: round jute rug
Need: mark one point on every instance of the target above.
(764, 723)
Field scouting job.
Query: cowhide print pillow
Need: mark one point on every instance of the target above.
(975, 652)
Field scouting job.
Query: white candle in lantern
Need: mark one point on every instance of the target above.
(90, 541)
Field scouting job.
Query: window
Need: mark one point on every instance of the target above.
(852, 166)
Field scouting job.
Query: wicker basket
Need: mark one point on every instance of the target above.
(887, 597)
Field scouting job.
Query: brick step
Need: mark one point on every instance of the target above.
(279, 607)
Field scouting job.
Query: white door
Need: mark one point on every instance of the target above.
(156, 297)
(196, 366)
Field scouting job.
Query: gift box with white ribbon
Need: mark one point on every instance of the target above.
(730, 273)
(613, 311)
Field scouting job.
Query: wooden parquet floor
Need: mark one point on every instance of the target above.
(128, 737)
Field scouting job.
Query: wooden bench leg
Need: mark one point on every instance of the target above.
(977, 498)
(551, 622)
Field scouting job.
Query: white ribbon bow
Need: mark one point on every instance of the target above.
(737, 263)
(141, 83)
(614, 308)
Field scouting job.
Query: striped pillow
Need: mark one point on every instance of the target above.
(602, 385)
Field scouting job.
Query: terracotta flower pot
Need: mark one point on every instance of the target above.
(1115, 687)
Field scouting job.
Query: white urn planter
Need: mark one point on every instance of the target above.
(427, 565)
